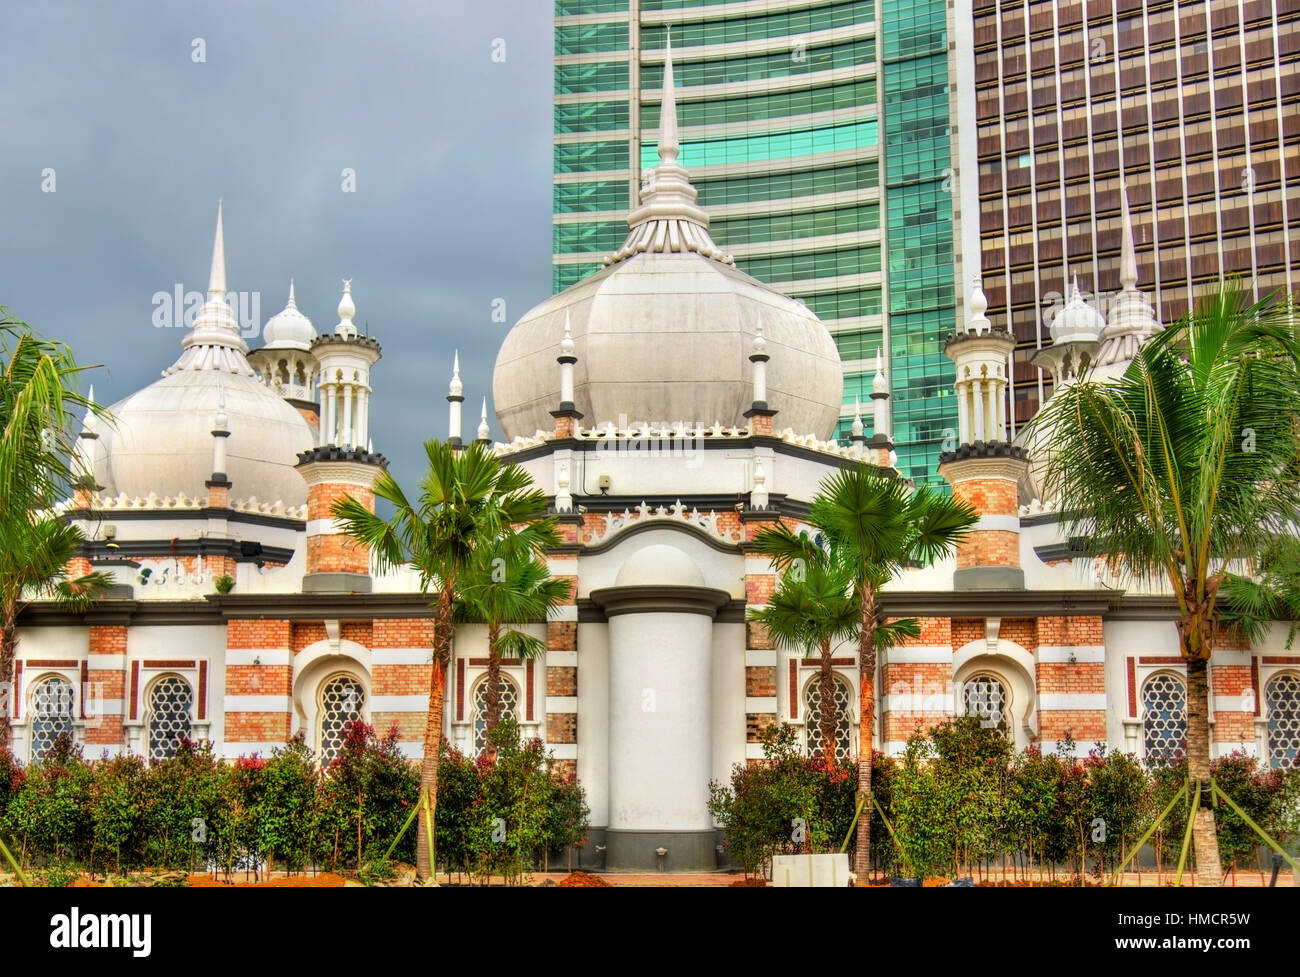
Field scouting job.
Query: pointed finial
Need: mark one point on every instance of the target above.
(879, 384)
(483, 431)
(370, 446)
(223, 420)
(668, 145)
(347, 309)
(455, 388)
(1128, 269)
(566, 344)
(292, 304)
(217, 277)
(759, 343)
(857, 428)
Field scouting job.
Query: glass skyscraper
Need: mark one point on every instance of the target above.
(784, 108)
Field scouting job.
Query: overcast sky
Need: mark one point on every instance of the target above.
(451, 152)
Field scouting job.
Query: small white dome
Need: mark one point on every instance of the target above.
(659, 565)
(1077, 321)
(289, 328)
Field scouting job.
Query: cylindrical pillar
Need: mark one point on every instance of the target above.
(347, 416)
(978, 408)
(963, 413)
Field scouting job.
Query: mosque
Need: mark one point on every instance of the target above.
(671, 407)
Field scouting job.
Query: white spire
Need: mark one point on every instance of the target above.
(347, 309)
(857, 428)
(1128, 269)
(484, 432)
(668, 145)
(222, 419)
(567, 347)
(879, 385)
(759, 344)
(217, 276)
(668, 218)
(215, 342)
(455, 388)
(291, 304)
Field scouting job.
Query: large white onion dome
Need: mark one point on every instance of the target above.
(664, 332)
(288, 328)
(160, 440)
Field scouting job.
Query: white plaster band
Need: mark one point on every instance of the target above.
(1010, 524)
(106, 663)
(562, 703)
(565, 612)
(760, 656)
(563, 751)
(760, 703)
(562, 659)
(400, 656)
(399, 703)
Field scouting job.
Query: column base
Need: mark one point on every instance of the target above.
(989, 578)
(336, 583)
(634, 851)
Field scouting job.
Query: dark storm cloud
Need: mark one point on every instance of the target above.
(452, 154)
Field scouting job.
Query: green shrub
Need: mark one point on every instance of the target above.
(116, 813)
(51, 811)
(286, 815)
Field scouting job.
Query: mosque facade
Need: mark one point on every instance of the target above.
(671, 407)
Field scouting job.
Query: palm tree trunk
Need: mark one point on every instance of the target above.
(492, 698)
(424, 856)
(8, 647)
(1205, 842)
(826, 707)
(866, 723)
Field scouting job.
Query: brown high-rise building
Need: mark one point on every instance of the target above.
(1195, 105)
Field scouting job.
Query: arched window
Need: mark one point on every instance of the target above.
(1164, 718)
(341, 701)
(168, 707)
(812, 698)
(1282, 702)
(51, 714)
(987, 696)
(509, 709)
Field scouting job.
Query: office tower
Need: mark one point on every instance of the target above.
(784, 110)
(1194, 106)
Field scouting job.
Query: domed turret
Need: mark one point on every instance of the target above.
(665, 330)
(288, 328)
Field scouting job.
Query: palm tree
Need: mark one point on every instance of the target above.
(38, 405)
(499, 591)
(874, 528)
(468, 502)
(811, 611)
(1180, 468)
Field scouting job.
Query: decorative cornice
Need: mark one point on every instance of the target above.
(659, 599)
(330, 452)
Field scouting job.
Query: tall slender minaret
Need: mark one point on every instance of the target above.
(343, 464)
(759, 414)
(455, 397)
(881, 443)
(985, 469)
(566, 415)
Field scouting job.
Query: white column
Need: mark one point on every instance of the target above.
(978, 407)
(347, 416)
(363, 416)
(995, 432)
(660, 730)
(963, 412)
